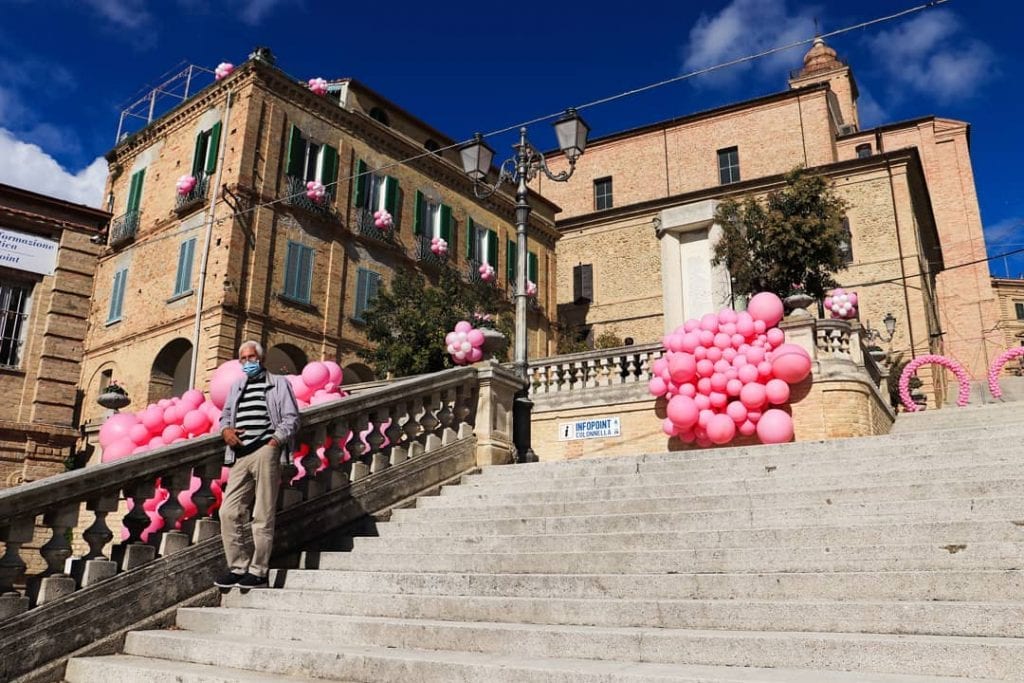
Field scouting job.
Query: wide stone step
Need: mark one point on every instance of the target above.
(329, 660)
(969, 417)
(840, 558)
(980, 585)
(999, 658)
(872, 512)
(133, 669)
(920, 618)
(868, 534)
(437, 508)
(472, 492)
(634, 470)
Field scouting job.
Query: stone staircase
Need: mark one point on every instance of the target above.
(892, 559)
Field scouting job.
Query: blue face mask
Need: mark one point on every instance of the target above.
(251, 368)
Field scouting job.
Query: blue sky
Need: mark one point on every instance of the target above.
(67, 68)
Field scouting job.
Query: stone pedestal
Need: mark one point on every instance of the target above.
(498, 388)
(12, 604)
(54, 587)
(206, 527)
(136, 555)
(172, 542)
(95, 571)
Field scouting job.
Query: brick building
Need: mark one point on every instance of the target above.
(48, 250)
(281, 268)
(1010, 294)
(637, 223)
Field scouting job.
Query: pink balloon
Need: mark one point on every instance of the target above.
(704, 417)
(775, 426)
(709, 322)
(163, 403)
(737, 411)
(681, 367)
(747, 373)
(718, 382)
(702, 401)
(777, 391)
(193, 398)
(728, 328)
(775, 336)
(116, 428)
(764, 370)
(736, 340)
(157, 442)
(733, 387)
(315, 375)
(321, 396)
(729, 355)
(721, 429)
(714, 354)
(691, 340)
(705, 368)
(748, 428)
(759, 327)
(451, 338)
(706, 337)
(745, 327)
(754, 415)
(669, 427)
(753, 395)
(727, 315)
(463, 326)
(475, 337)
(657, 386)
(301, 390)
(755, 355)
(140, 449)
(118, 449)
(704, 385)
(718, 400)
(673, 388)
(691, 325)
(336, 375)
(139, 434)
(700, 353)
(196, 422)
(674, 342)
(682, 411)
(722, 366)
(687, 389)
(172, 432)
(722, 340)
(222, 379)
(173, 415)
(660, 366)
(767, 308)
(476, 354)
(791, 363)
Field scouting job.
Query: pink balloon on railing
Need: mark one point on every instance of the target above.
(223, 70)
(464, 343)
(317, 86)
(841, 304)
(486, 272)
(316, 191)
(383, 219)
(185, 184)
(438, 246)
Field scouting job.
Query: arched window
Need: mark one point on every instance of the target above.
(285, 359)
(169, 375)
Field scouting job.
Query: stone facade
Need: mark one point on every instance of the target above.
(46, 308)
(261, 216)
(1010, 294)
(913, 216)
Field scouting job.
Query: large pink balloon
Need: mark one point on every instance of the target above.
(301, 390)
(116, 428)
(139, 434)
(196, 422)
(315, 375)
(791, 363)
(222, 379)
(336, 375)
(767, 308)
(682, 410)
(753, 395)
(193, 398)
(775, 426)
(118, 449)
(777, 391)
(681, 367)
(153, 419)
(721, 429)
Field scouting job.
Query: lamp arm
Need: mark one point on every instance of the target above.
(539, 163)
(507, 174)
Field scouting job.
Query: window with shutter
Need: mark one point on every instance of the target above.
(183, 279)
(583, 283)
(1019, 310)
(510, 266)
(444, 223)
(213, 148)
(367, 286)
(472, 246)
(117, 296)
(532, 271)
(492, 249)
(135, 191)
(298, 272)
(199, 154)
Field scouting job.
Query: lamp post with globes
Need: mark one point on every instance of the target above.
(571, 131)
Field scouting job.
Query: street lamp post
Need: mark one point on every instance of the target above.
(571, 131)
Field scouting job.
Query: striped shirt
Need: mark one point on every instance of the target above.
(252, 417)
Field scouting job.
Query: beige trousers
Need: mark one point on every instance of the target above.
(253, 482)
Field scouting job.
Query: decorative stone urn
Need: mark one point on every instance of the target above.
(113, 399)
(494, 342)
(798, 303)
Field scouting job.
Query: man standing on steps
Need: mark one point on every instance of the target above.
(259, 423)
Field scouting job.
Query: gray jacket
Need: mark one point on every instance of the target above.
(282, 410)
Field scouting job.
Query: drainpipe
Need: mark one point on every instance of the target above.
(210, 212)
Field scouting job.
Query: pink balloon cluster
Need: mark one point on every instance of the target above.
(464, 343)
(185, 184)
(962, 378)
(318, 86)
(486, 271)
(531, 288)
(841, 304)
(997, 366)
(722, 373)
(223, 70)
(439, 246)
(383, 220)
(316, 191)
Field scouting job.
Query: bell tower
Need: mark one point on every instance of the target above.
(821, 65)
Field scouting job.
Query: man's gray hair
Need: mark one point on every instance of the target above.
(256, 346)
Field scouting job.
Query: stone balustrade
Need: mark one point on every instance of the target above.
(368, 432)
(593, 369)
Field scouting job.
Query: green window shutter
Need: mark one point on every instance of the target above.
(359, 185)
(199, 155)
(296, 153)
(306, 290)
(361, 284)
(418, 216)
(117, 295)
(329, 169)
(492, 248)
(470, 238)
(372, 287)
(391, 196)
(531, 267)
(186, 254)
(446, 223)
(212, 149)
(135, 190)
(510, 269)
(291, 270)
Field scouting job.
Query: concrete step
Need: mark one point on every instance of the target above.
(839, 558)
(922, 618)
(824, 513)
(438, 508)
(980, 585)
(999, 658)
(133, 669)
(497, 493)
(329, 660)
(852, 535)
(953, 417)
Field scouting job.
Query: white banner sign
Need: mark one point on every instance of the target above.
(591, 428)
(24, 251)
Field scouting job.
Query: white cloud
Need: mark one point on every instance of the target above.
(27, 166)
(252, 12)
(1009, 231)
(745, 27)
(129, 14)
(869, 111)
(931, 55)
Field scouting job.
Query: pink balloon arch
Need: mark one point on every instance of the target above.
(997, 366)
(962, 378)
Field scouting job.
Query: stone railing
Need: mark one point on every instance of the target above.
(376, 429)
(625, 365)
(836, 341)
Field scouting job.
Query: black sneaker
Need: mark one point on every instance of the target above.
(251, 581)
(228, 579)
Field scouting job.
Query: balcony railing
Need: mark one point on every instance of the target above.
(532, 302)
(197, 197)
(296, 196)
(123, 228)
(366, 227)
(425, 255)
(473, 274)
(593, 369)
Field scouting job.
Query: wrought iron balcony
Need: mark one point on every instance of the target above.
(425, 255)
(368, 228)
(474, 277)
(532, 302)
(296, 196)
(197, 197)
(123, 228)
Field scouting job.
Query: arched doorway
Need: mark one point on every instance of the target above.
(356, 373)
(285, 359)
(169, 375)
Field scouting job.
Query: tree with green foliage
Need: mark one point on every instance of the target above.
(791, 239)
(407, 322)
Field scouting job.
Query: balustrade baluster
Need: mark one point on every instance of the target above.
(379, 457)
(607, 379)
(172, 539)
(53, 583)
(205, 525)
(95, 566)
(356, 448)
(428, 419)
(339, 462)
(396, 437)
(14, 534)
(132, 552)
(317, 480)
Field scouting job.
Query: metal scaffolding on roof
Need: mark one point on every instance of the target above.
(176, 86)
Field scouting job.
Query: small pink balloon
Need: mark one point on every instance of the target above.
(659, 366)
(336, 375)
(172, 432)
(463, 326)
(704, 385)
(722, 340)
(747, 373)
(118, 449)
(709, 322)
(777, 391)
(669, 427)
(722, 366)
(767, 308)
(157, 442)
(705, 368)
(475, 355)
(702, 401)
(733, 387)
(691, 325)
(718, 400)
(775, 426)
(704, 417)
(731, 373)
(687, 389)
(163, 403)
(475, 338)
(657, 386)
(682, 367)
(791, 363)
(721, 429)
(753, 395)
(748, 428)
(727, 315)
(153, 418)
(745, 327)
(764, 370)
(718, 381)
(737, 411)
(193, 398)
(117, 427)
(729, 355)
(682, 411)
(315, 375)
(196, 422)
(139, 434)
(690, 341)
(686, 436)
(675, 343)
(706, 337)
(775, 336)
(700, 353)
(759, 327)
(737, 340)
(714, 354)
(754, 415)
(755, 355)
